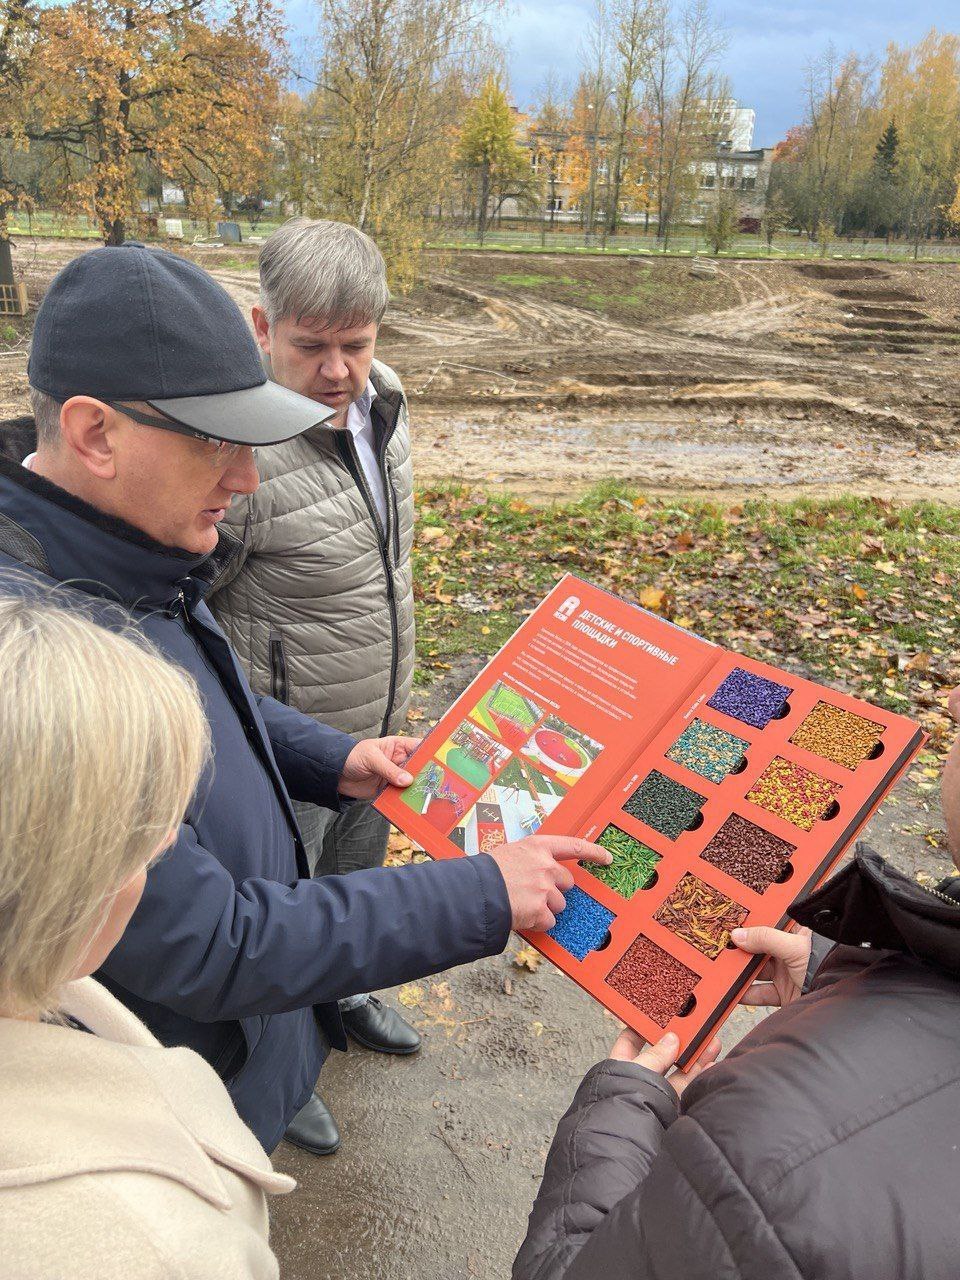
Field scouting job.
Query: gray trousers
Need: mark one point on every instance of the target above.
(338, 843)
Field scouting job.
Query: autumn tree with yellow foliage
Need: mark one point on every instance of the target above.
(879, 151)
(185, 88)
(394, 80)
(303, 135)
(920, 92)
(589, 146)
(549, 134)
(488, 149)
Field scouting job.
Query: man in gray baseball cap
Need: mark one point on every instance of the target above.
(142, 357)
(149, 395)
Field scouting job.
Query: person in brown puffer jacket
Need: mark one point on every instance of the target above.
(826, 1146)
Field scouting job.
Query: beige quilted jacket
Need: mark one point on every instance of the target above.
(321, 610)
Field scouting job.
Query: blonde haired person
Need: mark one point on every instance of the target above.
(119, 1159)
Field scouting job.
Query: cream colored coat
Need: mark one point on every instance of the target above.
(123, 1160)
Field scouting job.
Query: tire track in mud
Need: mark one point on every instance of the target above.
(724, 401)
(800, 386)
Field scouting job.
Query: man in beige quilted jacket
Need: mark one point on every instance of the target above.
(321, 610)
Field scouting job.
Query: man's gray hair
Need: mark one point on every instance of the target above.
(326, 271)
(46, 414)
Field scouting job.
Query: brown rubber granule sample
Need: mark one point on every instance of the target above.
(749, 854)
(652, 980)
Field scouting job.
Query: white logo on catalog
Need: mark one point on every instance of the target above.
(567, 609)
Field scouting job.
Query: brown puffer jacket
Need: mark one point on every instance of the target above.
(826, 1146)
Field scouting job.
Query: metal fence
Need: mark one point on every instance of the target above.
(80, 227)
(689, 242)
(686, 242)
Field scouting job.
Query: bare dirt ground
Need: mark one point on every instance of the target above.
(547, 373)
(815, 378)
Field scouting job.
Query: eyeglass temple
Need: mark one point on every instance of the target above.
(165, 424)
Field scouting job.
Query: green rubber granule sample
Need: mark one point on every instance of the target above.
(665, 805)
(634, 863)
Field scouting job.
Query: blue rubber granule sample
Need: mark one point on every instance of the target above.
(753, 699)
(582, 925)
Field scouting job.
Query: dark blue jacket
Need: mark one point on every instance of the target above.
(234, 950)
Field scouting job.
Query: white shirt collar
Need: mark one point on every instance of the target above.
(358, 415)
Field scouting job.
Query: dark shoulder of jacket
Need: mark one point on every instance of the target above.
(18, 438)
(23, 549)
(24, 572)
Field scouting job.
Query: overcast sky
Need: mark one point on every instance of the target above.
(770, 43)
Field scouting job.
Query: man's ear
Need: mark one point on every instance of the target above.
(87, 427)
(261, 328)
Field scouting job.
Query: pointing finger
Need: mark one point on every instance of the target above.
(573, 848)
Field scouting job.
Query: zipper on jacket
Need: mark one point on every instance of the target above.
(278, 668)
(944, 897)
(351, 458)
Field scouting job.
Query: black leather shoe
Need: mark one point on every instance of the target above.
(314, 1129)
(376, 1026)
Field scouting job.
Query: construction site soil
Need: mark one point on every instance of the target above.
(545, 373)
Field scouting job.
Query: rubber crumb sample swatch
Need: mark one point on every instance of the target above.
(753, 699)
(749, 854)
(665, 805)
(793, 793)
(582, 925)
(700, 915)
(652, 980)
(634, 863)
(711, 752)
(841, 736)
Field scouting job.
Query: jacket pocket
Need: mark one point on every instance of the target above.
(392, 499)
(278, 668)
(233, 1053)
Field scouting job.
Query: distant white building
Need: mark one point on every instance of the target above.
(734, 125)
(728, 162)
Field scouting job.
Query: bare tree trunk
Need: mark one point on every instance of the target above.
(484, 202)
(633, 24)
(598, 87)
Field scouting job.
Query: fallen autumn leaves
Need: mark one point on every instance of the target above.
(858, 593)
